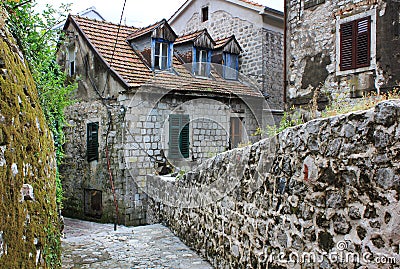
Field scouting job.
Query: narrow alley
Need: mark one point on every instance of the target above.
(94, 245)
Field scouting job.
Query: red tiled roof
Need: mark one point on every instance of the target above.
(188, 37)
(222, 42)
(103, 35)
(252, 3)
(129, 65)
(145, 30)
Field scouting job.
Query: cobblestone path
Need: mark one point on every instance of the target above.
(94, 245)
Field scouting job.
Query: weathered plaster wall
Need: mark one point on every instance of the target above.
(262, 56)
(78, 174)
(90, 69)
(312, 50)
(325, 186)
(29, 229)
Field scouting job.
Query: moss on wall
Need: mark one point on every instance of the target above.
(29, 233)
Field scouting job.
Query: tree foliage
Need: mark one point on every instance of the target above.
(38, 40)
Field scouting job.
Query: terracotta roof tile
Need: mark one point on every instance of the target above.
(252, 3)
(222, 42)
(103, 35)
(129, 64)
(188, 37)
(144, 30)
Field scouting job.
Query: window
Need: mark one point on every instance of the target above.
(92, 141)
(71, 60)
(312, 3)
(202, 63)
(162, 55)
(231, 66)
(355, 44)
(178, 136)
(93, 203)
(204, 14)
(236, 131)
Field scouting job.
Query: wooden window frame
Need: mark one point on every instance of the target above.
(201, 68)
(340, 19)
(227, 63)
(163, 45)
(352, 41)
(236, 131)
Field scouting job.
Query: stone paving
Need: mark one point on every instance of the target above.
(94, 245)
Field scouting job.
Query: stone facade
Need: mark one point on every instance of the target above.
(260, 37)
(314, 194)
(133, 126)
(313, 49)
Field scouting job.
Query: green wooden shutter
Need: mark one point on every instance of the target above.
(184, 137)
(92, 141)
(178, 136)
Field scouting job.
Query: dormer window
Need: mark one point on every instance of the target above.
(202, 62)
(162, 54)
(231, 66)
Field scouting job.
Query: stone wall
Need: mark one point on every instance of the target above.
(29, 228)
(138, 143)
(312, 50)
(318, 194)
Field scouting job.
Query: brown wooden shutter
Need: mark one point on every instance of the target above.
(355, 44)
(236, 132)
(346, 46)
(363, 42)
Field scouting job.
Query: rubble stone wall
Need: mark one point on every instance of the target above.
(328, 186)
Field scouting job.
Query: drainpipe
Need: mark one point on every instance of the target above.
(285, 83)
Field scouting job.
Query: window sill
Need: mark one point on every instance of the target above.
(202, 77)
(353, 71)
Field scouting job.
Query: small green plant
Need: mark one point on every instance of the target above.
(243, 144)
(342, 105)
(290, 118)
(180, 175)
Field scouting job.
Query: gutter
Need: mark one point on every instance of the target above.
(285, 82)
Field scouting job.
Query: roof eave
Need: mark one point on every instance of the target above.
(124, 82)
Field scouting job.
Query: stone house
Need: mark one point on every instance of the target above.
(149, 101)
(344, 48)
(257, 28)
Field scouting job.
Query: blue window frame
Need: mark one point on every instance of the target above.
(231, 66)
(201, 62)
(162, 56)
